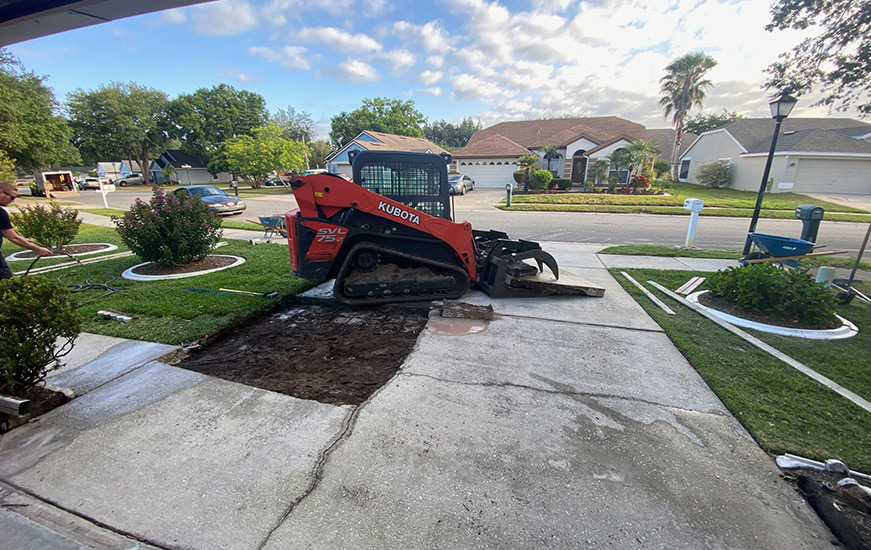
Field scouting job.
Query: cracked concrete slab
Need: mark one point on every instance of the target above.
(212, 465)
(437, 464)
(564, 357)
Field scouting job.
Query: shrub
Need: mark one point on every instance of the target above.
(639, 182)
(519, 177)
(562, 184)
(715, 174)
(540, 180)
(662, 168)
(612, 184)
(169, 229)
(782, 292)
(52, 227)
(35, 312)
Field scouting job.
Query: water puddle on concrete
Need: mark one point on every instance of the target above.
(455, 327)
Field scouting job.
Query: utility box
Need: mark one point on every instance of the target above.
(694, 205)
(810, 216)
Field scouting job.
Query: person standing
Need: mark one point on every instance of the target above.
(8, 193)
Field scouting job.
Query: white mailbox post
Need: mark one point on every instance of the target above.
(104, 189)
(694, 206)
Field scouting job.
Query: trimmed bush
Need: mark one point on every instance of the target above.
(540, 180)
(35, 312)
(715, 174)
(519, 177)
(170, 229)
(637, 182)
(562, 184)
(52, 227)
(782, 292)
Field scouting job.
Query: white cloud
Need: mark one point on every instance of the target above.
(430, 77)
(291, 57)
(338, 40)
(435, 90)
(174, 17)
(354, 71)
(431, 35)
(399, 60)
(225, 18)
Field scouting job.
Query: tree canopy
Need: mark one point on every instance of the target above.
(682, 88)
(837, 59)
(32, 135)
(702, 123)
(210, 116)
(391, 116)
(119, 122)
(297, 126)
(451, 136)
(254, 156)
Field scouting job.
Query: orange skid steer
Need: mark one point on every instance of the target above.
(388, 236)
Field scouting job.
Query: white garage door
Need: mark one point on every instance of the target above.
(489, 175)
(833, 176)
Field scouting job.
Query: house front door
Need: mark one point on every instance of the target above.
(579, 168)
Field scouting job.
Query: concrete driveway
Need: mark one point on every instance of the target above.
(564, 423)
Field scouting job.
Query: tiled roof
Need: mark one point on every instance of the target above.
(825, 135)
(533, 134)
(665, 137)
(392, 142)
(491, 146)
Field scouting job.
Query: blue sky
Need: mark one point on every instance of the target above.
(489, 60)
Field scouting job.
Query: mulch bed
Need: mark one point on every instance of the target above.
(207, 263)
(72, 249)
(763, 317)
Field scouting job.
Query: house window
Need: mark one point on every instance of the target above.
(684, 172)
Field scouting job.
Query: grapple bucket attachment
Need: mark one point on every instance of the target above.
(507, 274)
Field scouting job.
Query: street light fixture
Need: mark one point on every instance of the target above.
(780, 109)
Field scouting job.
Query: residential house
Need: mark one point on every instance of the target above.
(664, 138)
(187, 169)
(338, 163)
(490, 156)
(117, 169)
(813, 155)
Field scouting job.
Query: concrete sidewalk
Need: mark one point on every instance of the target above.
(565, 422)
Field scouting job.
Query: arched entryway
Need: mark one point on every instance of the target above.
(579, 166)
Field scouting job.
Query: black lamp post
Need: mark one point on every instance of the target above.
(780, 109)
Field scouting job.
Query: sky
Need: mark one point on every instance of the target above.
(493, 61)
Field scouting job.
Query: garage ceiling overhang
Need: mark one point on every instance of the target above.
(22, 20)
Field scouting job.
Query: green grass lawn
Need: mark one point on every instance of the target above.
(785, 411)
(718, 202)
(168, 313)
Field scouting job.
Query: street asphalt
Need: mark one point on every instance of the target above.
(565, 422)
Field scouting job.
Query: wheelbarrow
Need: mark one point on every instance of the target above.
(271, 225)
(785, 250)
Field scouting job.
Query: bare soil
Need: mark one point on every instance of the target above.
(205, 264)
(323, 352)
(765, 318)
(71, 249)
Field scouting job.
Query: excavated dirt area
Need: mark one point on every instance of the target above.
(326, 353)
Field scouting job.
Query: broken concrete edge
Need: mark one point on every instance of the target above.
(789, 461)
(461, 310)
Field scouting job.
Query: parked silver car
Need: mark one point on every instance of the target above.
(460, 184)
(216, 199)
(131, 179)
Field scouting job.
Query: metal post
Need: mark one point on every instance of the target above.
(508, 188)
(758, 207)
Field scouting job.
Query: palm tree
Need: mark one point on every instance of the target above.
(640, 153)
(620, 160)
(600, 170)
(550, 152)
(527, 162)
(682, 88)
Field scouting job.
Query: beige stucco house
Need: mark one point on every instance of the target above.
(338, 162)
(490, 156)
(813, 155)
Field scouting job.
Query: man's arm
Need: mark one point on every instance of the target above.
(15, 238)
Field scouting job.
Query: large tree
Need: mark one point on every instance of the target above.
(702, 123)
(32, 134)
(451, 136)
(837, 57)
(253, 157)
(391, 116)
(205, 119)
(320, 149)
(119, 122)
(294, 125)
(682, 88)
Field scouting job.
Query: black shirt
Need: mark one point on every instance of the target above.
(4, 223)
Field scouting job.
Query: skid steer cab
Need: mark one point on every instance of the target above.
(388, 236)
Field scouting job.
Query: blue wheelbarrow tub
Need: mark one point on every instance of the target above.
(779, 247)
